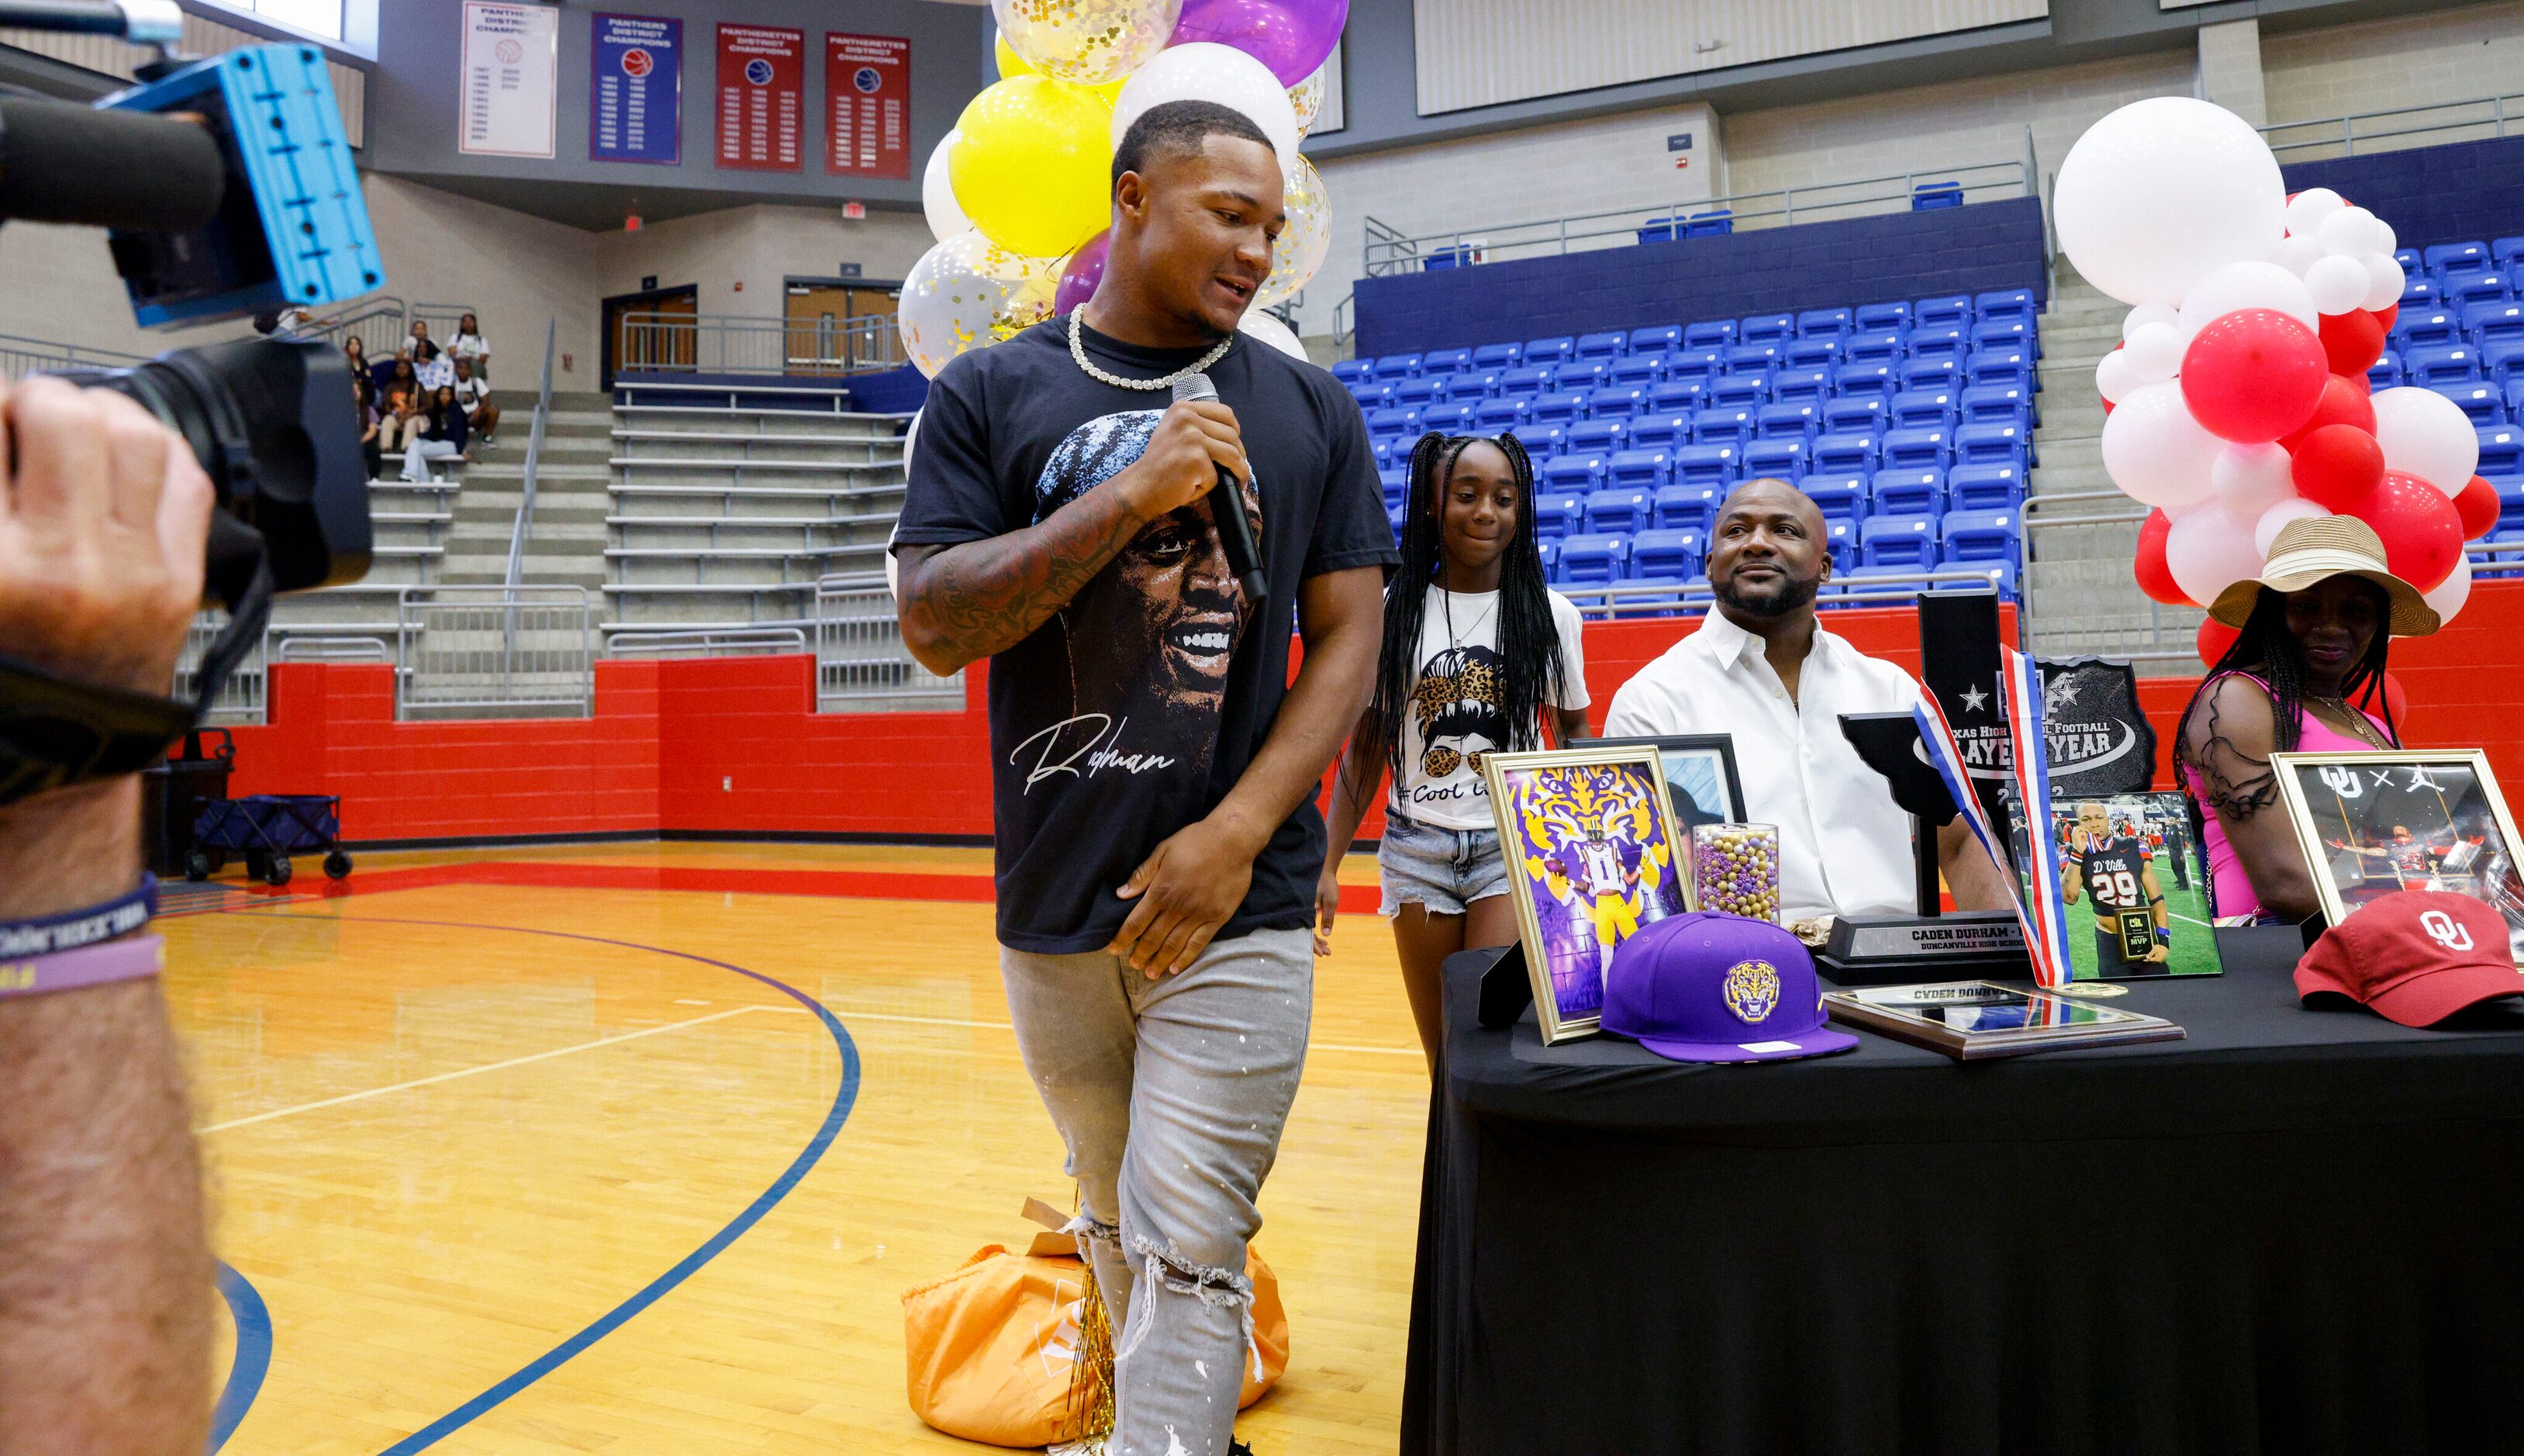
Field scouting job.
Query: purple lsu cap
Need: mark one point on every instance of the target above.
(1712, 987)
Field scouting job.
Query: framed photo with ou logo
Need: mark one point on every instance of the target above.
(1588, 836)
(2417, 819)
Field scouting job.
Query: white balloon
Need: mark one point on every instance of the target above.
(2154, 353)
(1305, 241)
(2249, 479)
(2294, 508)
(2305, 212)
(1268, 328)
(2425, 434)
(968, 293)
(2159, 193)
(2297, 255)
(2247, 285)
(2113, 377)
(2338, 284)
(2208, 550)
(2449, 594)
(1203, 70)
(2155, 452)
(2350, 231)
(2145, 314)
(1086, 42)
(2390, 241)
(937, 201)
(2383, 282)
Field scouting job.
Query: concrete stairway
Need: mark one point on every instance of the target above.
(566, 541)
(2080, 598)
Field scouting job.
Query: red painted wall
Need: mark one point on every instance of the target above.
(735, 746)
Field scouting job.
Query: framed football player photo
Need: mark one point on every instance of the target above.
(2374, 823)
(1588, 836)
(1700, 780)
(2134, 882)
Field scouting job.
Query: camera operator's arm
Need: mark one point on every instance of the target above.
(105, 1265)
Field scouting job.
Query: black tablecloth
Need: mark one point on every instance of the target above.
(2295, 1231)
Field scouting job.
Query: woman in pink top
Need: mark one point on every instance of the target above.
(2315, 628)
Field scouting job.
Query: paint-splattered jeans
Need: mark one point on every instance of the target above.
(1170, 1095)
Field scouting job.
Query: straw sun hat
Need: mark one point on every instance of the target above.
(2305, 551)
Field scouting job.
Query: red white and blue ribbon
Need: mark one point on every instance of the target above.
(2032, 774)
(1937, 737)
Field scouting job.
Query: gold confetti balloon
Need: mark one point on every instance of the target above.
(1303, 244)
(1089, 42)
(1307, 96)
(968, 293)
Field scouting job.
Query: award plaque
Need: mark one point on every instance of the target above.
(1896, 950)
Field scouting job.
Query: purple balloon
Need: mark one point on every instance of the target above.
(1293, 37)
(1086, 270)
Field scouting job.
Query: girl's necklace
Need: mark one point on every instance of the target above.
(2358, 723)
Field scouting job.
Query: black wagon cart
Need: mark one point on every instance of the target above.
(266, 829)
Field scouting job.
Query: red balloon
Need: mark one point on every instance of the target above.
(2108, 407)
(2336, 467)
(2476, 504)
(2252, 375)
(2421, 531)
(2346, 399)
(2155, 578)
(2352, 341)
(2396, 704)
(2213, 640)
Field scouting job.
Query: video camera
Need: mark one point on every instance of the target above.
(228, 189)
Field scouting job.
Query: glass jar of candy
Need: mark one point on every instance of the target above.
(1736, 870)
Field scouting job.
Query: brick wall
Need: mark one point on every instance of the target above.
(2470, 191)
(2411, 60)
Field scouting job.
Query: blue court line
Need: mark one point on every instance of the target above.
(843, 1096)
(253, 1358)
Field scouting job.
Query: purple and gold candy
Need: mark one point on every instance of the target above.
(1736, 870)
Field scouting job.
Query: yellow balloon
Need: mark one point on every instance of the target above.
(1032, 167)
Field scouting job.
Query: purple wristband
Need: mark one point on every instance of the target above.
(90, 965)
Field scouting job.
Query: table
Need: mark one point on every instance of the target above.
(2295, 1231)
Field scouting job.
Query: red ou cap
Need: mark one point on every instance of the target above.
(2415, 957)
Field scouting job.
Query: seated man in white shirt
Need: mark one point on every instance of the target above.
(1762, 669)
(475, 396)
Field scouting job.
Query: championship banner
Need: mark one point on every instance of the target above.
(2031, 774)
(510, 55)
(1937, 741)
(761, 97)
(867, 84)
(635, 92)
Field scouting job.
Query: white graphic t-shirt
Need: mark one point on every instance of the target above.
(1455, 712)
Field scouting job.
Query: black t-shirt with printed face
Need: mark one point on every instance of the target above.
(1134, 709)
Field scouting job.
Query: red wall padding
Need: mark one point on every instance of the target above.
(733, 746)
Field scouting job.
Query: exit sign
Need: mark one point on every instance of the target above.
(854, 210)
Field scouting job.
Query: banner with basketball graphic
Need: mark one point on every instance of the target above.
(761, 98)
(635, 90)
(504, 101)
(867, 86)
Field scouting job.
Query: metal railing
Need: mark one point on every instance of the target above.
(741, 344)
(495, 652)
(308, 648)
(524, 523)
(380, 323)
(859, 655)
(1612, 600)
(2438, 124)
(20, 356)
(244, 698)
(1389, 251)
(706, 642)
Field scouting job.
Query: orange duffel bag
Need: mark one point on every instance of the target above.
(992, 1348)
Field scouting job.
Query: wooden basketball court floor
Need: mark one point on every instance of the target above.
(635, 1148)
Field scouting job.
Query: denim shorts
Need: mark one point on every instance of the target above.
(1443, 869)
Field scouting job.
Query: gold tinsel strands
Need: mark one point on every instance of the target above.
(1089, 1414)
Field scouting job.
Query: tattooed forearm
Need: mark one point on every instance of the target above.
(963, 603)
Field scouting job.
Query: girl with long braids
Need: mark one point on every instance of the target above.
(1478, 650)
(2315, 628)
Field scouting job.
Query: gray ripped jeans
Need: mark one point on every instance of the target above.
(1170, 1095)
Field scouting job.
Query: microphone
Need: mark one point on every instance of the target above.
(106, 169)
(1227, 507)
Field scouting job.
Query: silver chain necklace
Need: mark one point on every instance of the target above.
(1078, 352)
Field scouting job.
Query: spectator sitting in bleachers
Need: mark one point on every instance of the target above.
(442, 438)
(468, 343)
(428, 360)
(371, 425)
(386, 371)
(402, 406)
(356, 354)
(473, 396)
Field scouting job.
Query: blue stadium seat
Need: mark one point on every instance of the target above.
(1995, 404)
(2004, 333)
(1419, 391)
(2502, 360)
(1397, 487)
(1877, 318)
(1499, 356)
(1448, 419)
(1708, 463)
(1739, 392)
(1695, 363)
(1383, 450)
(2004, 303)
(1754, 357)
(1955, 311)
(2013, 367)
(1438, 258)
(1839, 497)
(1721, 425)
(1549, 547)
(1619, 511)
(1370, 394)
(1859, 380)
(1716, 222)
(1574, 474)
(1936, 342)
(1524, 381)
(1392, 419)
(1498, 417)
(2507, 255)
(1715, 334)
(1824, 324)
(1766, 328)
(1604, 346)
(2501, 452)
(1350, 371)
(1927, 197)
(1641, 369)
(1543, 439)
(1656, 338)
(1638, 468)
(1840, 535)
(1913, 409)
(1580, 374)
(1659, 230)
(2451, 363)
(1615, 402)
(1898, 541)
(1470, 386)
(2426, 328)
(1932, 373)
(2516, 396)
(1394, 516)
(1991, 444)
(1590, 560)
(1597, 436)
(1808, 354)
(1865, 415)
(1688, 506)
(1810, 386)
(2409, 260)
(1445, 361)
(1557, 408)
(1791, 419)
(2478, 288)
(1660, 430)
(1844, 454)
(1666, 556)
(1979, 536)
(2418, 290)
(1997, 487)
(1397, 365)
(1886, 346)
(1557, 512)
(2477, 398)
(2457, 260)
(2385, 372)
(2493, 322)
(1678, 396)
(1908, 492)
(1549, 351)
(1783, 459)
(2000, 574)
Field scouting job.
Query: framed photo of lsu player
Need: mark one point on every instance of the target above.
(2428, 819)
(2136, 887)
(1589, 840)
